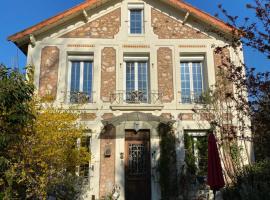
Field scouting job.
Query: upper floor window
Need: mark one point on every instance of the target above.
(136, 18)
(81, 79)
(136, 80)
(191, 69)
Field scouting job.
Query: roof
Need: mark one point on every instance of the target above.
(90, 3)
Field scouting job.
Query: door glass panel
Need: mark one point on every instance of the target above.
(137, 160)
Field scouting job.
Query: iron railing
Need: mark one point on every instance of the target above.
(80, 97)
(136, 97)
(191, 98)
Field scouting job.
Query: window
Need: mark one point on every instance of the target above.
(81, 79)
(136, 81)
(83, 170)
(191, 69)
(136, 19)
(196, 152)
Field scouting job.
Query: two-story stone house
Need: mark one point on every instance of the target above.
(134, 64)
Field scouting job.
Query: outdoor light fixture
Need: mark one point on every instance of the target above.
(108, 151)
(121, 155)
(136, 126)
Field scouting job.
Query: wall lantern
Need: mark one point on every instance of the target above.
(107, 151)
(121, 155)
(136, 126)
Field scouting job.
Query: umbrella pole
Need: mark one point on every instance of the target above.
(214, 191)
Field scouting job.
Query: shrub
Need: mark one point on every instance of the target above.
(252, 183)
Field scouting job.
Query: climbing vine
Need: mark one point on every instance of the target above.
(167, 163)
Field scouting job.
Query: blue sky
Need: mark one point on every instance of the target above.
(18, 15)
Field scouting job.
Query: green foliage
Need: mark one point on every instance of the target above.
(252, 183)
(38, 153)
(189, 155)
(167, 162)
(15, 116)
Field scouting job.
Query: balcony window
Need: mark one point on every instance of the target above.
(136, 19)
(81, 80)
(191, 69)
(137, 81)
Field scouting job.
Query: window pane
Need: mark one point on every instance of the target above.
(75, 81)
(185, 83)
(130, 80)
(136, 21)
(143, 80)
(88, 80)
(197, 80)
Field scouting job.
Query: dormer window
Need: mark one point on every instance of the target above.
(136, 19)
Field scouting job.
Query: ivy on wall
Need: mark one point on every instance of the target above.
(167, 163)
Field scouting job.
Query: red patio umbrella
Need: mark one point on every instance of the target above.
(214, 173)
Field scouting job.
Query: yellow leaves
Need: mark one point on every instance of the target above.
(49, 149)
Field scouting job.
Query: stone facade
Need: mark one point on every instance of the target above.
(88, 116)
(48, 80)
(168, 28)
(107, 162)
(106, 116)
(222, 69)
(186, 116)
(108, 73)
(165, 74)
(105, 27)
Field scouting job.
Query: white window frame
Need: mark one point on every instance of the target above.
(135, 6)
(136, 60)
(190, 60)
(81, 59)
(195, 135)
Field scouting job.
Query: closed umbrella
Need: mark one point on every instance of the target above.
(214, 173)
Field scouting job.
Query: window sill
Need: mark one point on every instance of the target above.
(141, 107)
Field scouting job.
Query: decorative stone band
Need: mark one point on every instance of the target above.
(192, 46)
(81, 45)
(135, 46)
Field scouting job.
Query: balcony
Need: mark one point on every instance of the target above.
(136, 100)
(191, 98)
(80, 97)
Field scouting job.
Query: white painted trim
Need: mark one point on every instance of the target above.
(136, 59)
(191, 58)
(135, 6)
(81, 58)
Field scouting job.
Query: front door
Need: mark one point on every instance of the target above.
(137, 165)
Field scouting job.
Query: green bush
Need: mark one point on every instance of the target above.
(252, 183)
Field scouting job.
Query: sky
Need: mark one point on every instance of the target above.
(17, 15)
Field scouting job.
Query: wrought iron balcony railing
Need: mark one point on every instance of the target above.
(191, 98)
(136, 97)
(80, 97)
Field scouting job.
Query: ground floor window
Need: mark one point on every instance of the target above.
(196, 152)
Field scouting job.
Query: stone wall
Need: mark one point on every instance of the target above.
(108, 73)
(107, 163)
(168, 28)
(48, 80)
(222, 69)
(105, 27)
(165, 74)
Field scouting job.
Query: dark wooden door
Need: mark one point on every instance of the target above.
(137, 165)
